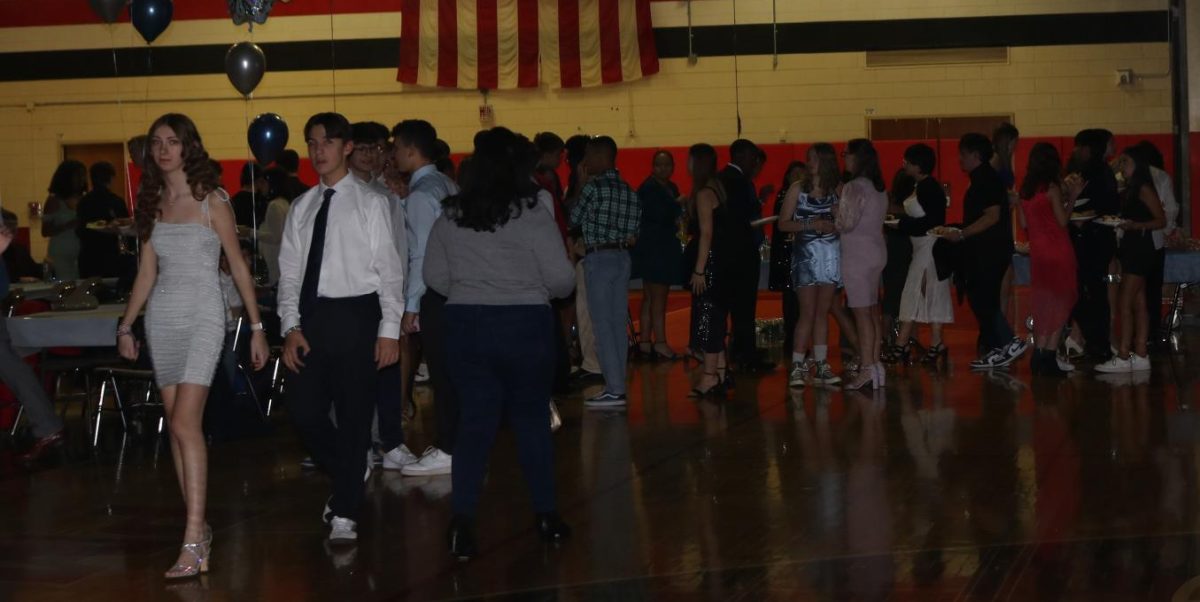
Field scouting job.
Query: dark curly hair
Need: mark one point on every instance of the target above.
(1044, 169)
(201, 176)
(69, 180)
(497, 183)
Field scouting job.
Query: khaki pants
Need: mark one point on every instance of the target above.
(583, 321)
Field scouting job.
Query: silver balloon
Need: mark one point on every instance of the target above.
(109, 10)
(256, 11)
(245, 65)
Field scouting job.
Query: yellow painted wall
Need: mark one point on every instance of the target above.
(1049, 90)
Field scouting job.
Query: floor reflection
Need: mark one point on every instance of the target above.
(947, 485)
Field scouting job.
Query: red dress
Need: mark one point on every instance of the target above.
(1052, 267)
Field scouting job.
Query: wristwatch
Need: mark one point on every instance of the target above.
(256, 327)
(295, 328)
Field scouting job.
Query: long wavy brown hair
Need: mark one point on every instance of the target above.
(829, 175)
(201, 176)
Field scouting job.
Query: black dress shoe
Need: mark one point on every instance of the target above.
(461, 538)
(551, 527)
(43, 446)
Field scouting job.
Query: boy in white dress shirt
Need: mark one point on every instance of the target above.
(341, 302)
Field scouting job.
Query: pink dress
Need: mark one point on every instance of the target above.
(1052, 267)
(860, 217)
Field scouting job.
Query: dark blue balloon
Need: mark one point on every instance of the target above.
(151, 17)
(268, 136)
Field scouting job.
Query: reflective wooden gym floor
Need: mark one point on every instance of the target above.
(948, 486)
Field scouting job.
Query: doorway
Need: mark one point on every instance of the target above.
(112, 152)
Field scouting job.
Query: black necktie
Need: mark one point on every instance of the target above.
(312, 270)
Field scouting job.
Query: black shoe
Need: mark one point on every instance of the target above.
(43, 446)
(461, 538)
(1050, 364)
(584, 376)
(551, 527)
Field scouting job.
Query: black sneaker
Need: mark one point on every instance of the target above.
(606, 400)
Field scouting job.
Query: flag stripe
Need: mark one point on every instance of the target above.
(507, 43)
(646, 47)
(589, 43)
(568, 43)
(410, 41)
(447, 44)
(427, 69)
(469, 65)
(488, 45)
(631, 58)
(610, 24)
(527, 41)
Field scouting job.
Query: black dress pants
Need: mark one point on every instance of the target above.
(1093, 253)
(983, 295)
(433, 343)
(743, 302)
(339, 372)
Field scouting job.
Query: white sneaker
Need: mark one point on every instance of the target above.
(1138, 363)
(824, 374)
(432, 463)
(398, 458)
(422, 375)
(798, 375)
(993, 359)
(342, 530)
(1116, 365)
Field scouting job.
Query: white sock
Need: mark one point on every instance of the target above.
(820, 352)
(797, 358)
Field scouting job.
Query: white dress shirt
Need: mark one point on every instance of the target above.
(422, 210)
(1166, 193)
(396, 212)
(360, 254)
(270, 234)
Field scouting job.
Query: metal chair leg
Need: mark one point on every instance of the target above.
(99, 413)
(120, 404)
(17, 420)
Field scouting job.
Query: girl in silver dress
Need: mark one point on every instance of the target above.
(184, 221)
(816, 262)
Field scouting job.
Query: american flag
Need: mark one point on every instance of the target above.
(505, 44)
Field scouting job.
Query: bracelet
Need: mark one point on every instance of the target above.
(295, 328)
(697, 273)
(124, 330)
(256, 327)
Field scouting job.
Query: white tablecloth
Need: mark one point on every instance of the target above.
(90, 328)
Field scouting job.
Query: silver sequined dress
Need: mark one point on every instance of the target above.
(816, 257)
(185, 316)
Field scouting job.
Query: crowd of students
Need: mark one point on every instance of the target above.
(508, 283)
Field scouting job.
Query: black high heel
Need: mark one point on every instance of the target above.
(935, 353)
(660, 356)
(897, 354)
(717, 389)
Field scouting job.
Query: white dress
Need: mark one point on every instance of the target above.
(926, 299)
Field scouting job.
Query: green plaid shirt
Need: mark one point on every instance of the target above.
(608, 210)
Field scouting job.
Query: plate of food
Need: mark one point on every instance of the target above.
(1111, 221)
(944, 231)
(98, 225)
(1083, 216)
(1082, 202)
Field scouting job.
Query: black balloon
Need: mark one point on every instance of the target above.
(108, 10)
(151, 17)
(245, 64)
(268, 136)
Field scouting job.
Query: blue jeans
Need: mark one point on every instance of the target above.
(607, 276)
(500, 359)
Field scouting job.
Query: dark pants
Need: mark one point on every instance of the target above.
(791, 315)
(743, 301)
(501, 361)
(389, 407)
(1093, 253)
(562, 353)
(339, 371)
(26, 387)
(1154, 286)
(433, 345)
(983, 295)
